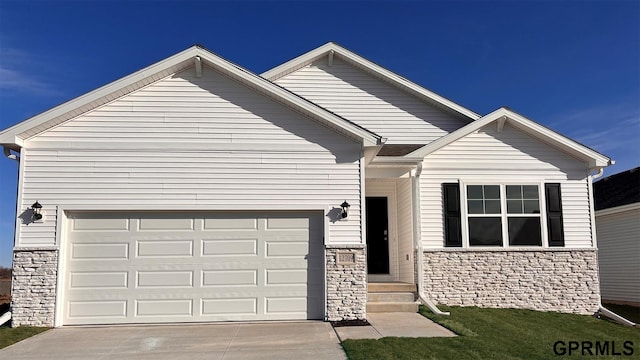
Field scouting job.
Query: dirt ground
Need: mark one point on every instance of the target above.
(5, 290)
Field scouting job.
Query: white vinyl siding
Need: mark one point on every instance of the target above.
(488, 156)
(370, 102)
(190, 143)
(405, 231)
(619, 254)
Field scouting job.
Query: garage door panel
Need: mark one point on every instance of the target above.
(164, 279)
(240, 246)
(184, 268)
(231, 223)
(165, 223)
(98, 279)
(286, 249)
(236, 278)
(279, 223)
(286, 305)
(163, 308)
(87, 310)
(286, 276)
(100, 251)
(234, 306)
(164, 248)
(97, 223)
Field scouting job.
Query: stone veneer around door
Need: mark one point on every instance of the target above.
(346, 282)
(33, 294)
(563, 280)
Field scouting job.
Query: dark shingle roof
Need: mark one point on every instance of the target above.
(617, 190)
(398, 150)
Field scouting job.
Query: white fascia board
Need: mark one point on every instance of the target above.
(396, 160)
(397, 80)
(618, 209)
(10, 135)
(571, 147)
(297, 62)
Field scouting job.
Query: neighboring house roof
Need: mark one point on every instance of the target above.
(504, 115)
(332, 49)
(194, 56)
(617, 190)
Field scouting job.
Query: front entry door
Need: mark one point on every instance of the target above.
(377, 235)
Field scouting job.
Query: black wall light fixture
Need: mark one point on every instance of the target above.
(345, 209)
(36, 208)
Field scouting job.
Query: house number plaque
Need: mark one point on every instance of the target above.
(345, 258)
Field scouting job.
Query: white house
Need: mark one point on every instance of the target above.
(617, 205)
(195, 190)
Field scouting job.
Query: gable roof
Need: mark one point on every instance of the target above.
(15, 135)
(504, 115)
(332, 49)
(618, 189)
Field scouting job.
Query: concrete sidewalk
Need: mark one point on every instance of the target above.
(398, 324)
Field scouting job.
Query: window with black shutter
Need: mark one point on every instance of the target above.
(452, 215)
(555, 229)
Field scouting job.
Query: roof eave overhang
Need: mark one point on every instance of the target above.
(393, 161)
(594, 159)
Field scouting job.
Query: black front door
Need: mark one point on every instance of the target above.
(377, 235)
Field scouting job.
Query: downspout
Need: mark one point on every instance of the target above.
(602, 310)
(8, 154)
(4, 318)
(417, 242)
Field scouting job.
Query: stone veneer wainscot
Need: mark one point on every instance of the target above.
(33, 294)
(564, 280)
(346, 284)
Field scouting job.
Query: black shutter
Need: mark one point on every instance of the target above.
(452, 217)
(555, 228)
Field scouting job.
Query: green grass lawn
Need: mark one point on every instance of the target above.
(9, 335)
(504, 334)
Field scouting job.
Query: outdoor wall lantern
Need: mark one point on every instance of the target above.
(36, 208)
(345, 209)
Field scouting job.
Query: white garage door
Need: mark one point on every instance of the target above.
(158, 267)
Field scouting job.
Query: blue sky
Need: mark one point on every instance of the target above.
(573, 66)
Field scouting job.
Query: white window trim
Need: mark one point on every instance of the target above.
(503, 214)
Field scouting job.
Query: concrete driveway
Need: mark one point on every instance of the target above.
(277, 340)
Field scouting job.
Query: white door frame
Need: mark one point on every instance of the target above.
(390, 192)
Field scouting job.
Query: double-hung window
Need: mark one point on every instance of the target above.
(503, 214)
(523, 215)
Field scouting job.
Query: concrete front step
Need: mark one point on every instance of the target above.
(380, 307)
(391, 287)
(391, 297)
